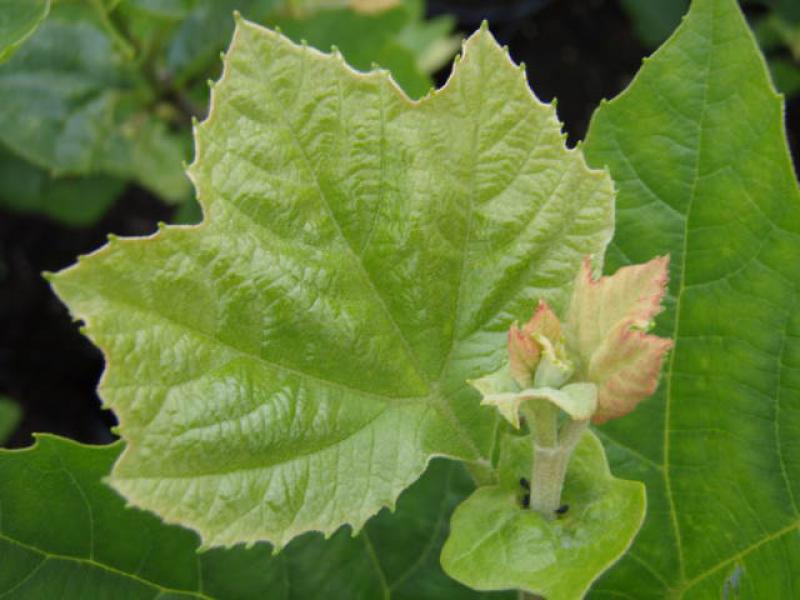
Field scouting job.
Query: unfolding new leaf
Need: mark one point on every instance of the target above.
(606, 328)
(293, 362)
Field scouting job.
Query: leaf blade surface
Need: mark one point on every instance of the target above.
(18, 21)
(697, 148)
(66, 534)
(359, 255)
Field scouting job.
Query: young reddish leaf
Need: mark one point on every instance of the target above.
(605, 330)
(523, 355)
(625, 368)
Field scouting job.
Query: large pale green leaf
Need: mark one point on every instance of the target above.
(697, 148)
(497, 544)
(66, 535)
(292, 363)
(18, 20)
(74, 106)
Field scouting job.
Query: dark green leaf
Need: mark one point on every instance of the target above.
(698, 150)
(198, 40)
(64, 534)
(73, 105)
(26, 188)
(18, 20)
(655, 20)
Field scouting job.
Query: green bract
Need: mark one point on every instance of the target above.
(698, 151)
(66, 535)
(293, 363)
(496, 544)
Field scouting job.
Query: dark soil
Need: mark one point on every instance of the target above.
(578, 51)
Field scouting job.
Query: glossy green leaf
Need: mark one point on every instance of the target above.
(10, 415)
(496, 544)
(26, 188)
(18, 20)
(74, 106)
(293, 363)
(64, 534)
(697, 148)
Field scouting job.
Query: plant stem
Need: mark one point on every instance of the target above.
(552, 450)
(545, 480)
(570, 434)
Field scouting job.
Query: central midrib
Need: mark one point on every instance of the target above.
(442, 407)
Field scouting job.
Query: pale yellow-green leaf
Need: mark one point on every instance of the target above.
(293, 362)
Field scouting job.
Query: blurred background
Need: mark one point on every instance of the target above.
(97, 99)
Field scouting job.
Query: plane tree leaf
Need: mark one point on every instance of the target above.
(293, 362)
(18, 20)
(697, 148)
(66, 534)
(497, 544)
(74, 105)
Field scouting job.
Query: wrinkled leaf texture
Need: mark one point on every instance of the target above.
(293, 363)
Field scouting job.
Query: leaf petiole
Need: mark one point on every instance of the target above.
(552, 448)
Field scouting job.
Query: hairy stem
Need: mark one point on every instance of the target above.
(552, 449)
